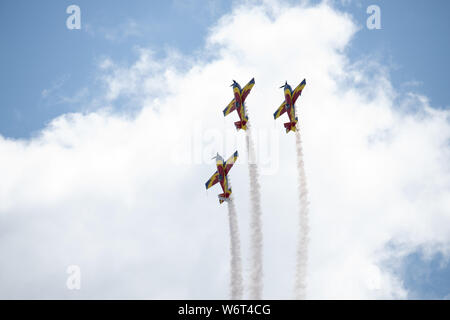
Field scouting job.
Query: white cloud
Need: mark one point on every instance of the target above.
(122, 196)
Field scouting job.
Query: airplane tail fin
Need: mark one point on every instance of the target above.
(291, 126)
(224, 197)
(241, 125)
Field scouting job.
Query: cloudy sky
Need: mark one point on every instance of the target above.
(107, 134)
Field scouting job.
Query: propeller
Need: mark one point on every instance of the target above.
(216, 156)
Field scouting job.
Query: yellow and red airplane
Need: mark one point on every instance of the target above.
(238, 103)
(221, 176)
(288, 105)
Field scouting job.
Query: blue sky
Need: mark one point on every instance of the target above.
(425, 277)
(41, 53)
(48, 70)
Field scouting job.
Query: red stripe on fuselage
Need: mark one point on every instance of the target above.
(291, 113)
(221, 176)
(288, 99)
(237, 96)
(241, 112)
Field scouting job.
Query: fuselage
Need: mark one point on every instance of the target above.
(239, 103)
(289, 107)
(222, 177)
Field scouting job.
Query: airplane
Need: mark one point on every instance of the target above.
(288, 105)
(221, 176)
(238, 103)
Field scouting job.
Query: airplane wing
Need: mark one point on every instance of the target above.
(229, 163)
(280, 110)
(298, 91)
(230, 108)
(213, 180)
(247, 88)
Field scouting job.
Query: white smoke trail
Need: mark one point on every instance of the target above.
(256, 275)
(302, 249)
(237, 287)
